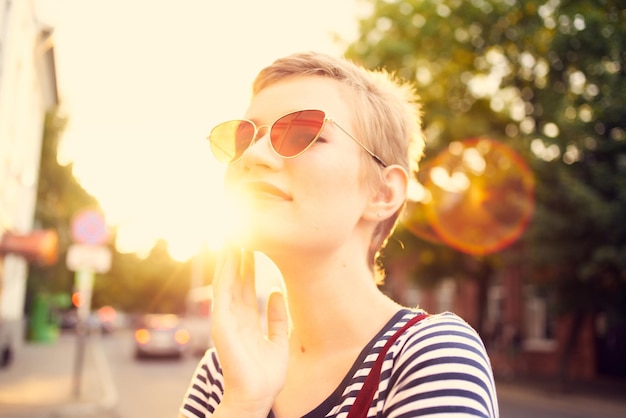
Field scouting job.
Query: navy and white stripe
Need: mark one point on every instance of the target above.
(437, 368)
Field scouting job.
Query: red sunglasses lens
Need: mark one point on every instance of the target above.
(293, 133)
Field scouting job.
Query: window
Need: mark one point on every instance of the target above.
(538, 321)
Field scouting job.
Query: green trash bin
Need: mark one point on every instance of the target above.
(41, 328)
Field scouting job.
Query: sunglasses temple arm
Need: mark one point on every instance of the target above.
(374, 156)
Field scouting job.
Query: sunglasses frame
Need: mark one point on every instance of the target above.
(326, 119)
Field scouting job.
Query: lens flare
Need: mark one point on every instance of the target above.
(478, 197)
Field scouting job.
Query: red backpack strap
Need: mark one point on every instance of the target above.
(364, 399)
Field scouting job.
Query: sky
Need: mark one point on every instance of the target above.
(143, 81)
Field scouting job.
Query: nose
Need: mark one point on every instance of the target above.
(261, 131)
(259, 152)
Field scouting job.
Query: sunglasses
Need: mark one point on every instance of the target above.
(290, 135)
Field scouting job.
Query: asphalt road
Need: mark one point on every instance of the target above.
(146, 387)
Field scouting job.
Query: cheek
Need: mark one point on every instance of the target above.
(229, 178)
(232, 177)
(331, 187)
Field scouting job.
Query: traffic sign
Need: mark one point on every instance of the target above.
(89, 227)
(84, 257)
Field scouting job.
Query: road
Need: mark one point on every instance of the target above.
(147, 387)
(155, 388)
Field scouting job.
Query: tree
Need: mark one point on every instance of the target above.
(155, 284)
(59, 196)
(547, 79)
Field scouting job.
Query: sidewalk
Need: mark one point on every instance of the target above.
(601, 398)
(42, 381)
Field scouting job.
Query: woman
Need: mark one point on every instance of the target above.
(319, 168)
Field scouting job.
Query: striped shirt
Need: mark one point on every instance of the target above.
(437, 368)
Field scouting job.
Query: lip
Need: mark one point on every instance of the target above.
(262, 190)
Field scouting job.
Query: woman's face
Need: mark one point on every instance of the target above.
(311, 202)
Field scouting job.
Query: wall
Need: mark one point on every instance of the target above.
(27, 90)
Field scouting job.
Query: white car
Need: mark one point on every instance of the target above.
(161, 335)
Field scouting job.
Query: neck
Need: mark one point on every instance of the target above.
(333, 307)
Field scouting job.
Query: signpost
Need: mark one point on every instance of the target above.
(85, 257)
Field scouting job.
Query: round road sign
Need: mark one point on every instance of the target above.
(89, 227)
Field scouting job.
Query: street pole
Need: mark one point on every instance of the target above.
(84, 285)
(86, 256)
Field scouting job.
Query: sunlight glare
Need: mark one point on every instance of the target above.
(143, 82)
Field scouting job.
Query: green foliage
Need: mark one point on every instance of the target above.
(546, 78)
(59, 196)
(156, 284)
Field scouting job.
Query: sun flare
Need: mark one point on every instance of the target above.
(141, 99)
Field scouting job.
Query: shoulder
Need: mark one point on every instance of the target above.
(443, 356)
(443, 338)
(440, 330)
(435, 339)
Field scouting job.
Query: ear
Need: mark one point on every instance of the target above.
(389, 195)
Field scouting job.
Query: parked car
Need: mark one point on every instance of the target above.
(160, 335)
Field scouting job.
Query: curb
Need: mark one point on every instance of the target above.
(106, 405)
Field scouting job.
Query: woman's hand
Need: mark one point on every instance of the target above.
(254, 365)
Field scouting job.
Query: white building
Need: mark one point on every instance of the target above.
(27, 90)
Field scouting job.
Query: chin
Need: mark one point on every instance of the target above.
(266, 243)
(252, 238)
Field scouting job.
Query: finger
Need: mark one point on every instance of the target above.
(277, 319)
(248, 286)
(224, 276)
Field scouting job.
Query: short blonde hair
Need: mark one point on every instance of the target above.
(387, 117)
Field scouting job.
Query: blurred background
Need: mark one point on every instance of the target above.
(111, 206)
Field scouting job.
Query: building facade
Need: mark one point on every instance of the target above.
(28, 88)
(522, 335)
